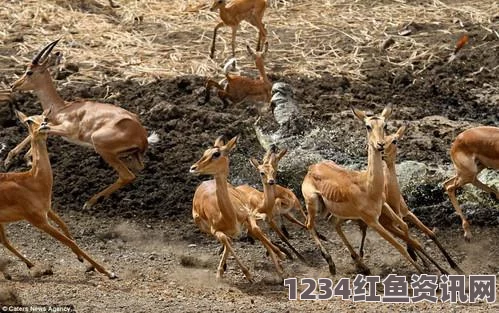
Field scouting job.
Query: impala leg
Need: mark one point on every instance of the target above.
(415, 245)
(52, 231)
(415, 220)
(125, 177)
(12, 153)
(212, 49)
(290, 217)
(275, 253)
(233, 40)
(388, 237)
(450, 186)
(211, 84)
(54, 217)
(387, 210)
(477, 183)
(274, 226)
(6, 243)
(312, 204)
(222, 266)
(228, 247)
(363, 230)
(353, 254)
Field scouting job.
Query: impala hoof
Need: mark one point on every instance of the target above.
(89, 269)
(112, 276)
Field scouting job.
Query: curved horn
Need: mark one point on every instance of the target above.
(45, 51)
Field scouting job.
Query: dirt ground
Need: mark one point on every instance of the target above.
(145, 232)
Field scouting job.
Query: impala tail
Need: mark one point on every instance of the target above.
(153, 138)
(230, 65)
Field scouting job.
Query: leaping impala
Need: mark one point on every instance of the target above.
(236, 11)
(472, 151)
(263, 204)
(114, 133)
(347, 194)
(222, 211)
(239, 88)
(397, 203)
(28, 195)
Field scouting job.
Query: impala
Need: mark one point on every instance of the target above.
(262, 204)
(397, 203)
(236, 11)
(346, 194)
(239, 88)
(27, 195)
(472, 151)
(222, 211)
(114, 133)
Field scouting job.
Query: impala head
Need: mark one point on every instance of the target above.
(37, 124)
(390, 153)
(36, 74)
(258, 56)
(215, 160)
(376, 126)
(268, 168)
(217, 4)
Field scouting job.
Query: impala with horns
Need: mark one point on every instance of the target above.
(223, 211)
(344, 194)
(236, 11)
(239, 88)
(472, 151)
(114, 133)
(28, 195)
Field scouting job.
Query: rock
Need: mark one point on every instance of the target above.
(9, 296)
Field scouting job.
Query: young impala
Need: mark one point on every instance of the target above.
(397, 203)
(222, 211)
(27, 195)
(346, 194)
(262, 204)
(239, 88)
(114, 133)
(472, 151)
(236, 11)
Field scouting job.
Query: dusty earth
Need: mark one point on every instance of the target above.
(145, 233)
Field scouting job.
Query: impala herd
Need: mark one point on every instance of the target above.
(372, 196)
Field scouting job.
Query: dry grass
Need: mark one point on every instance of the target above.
(149, 39)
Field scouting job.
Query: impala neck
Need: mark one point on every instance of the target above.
(268, 197)
(263, 74)
(375, 176)
(223, 197)
(48, 96)
(41, 169)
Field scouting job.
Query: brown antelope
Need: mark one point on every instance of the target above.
(114, 133)
(472, 151)
(221, 210)
(262, 204)
(347, 194)
(236, 11)
(27, 195)
(397, 203)
(239, 88)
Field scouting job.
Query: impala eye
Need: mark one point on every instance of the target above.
(262, 173)
(29, 73)
(369, 128)
(394, 141)
(216, 155)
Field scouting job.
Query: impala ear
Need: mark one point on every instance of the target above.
(254, 162)
(230, 145)
(281, 154)
(219, 142)
(401, 131)
(48, 111)
(387, 112)
(361, 115)
(21, 116)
